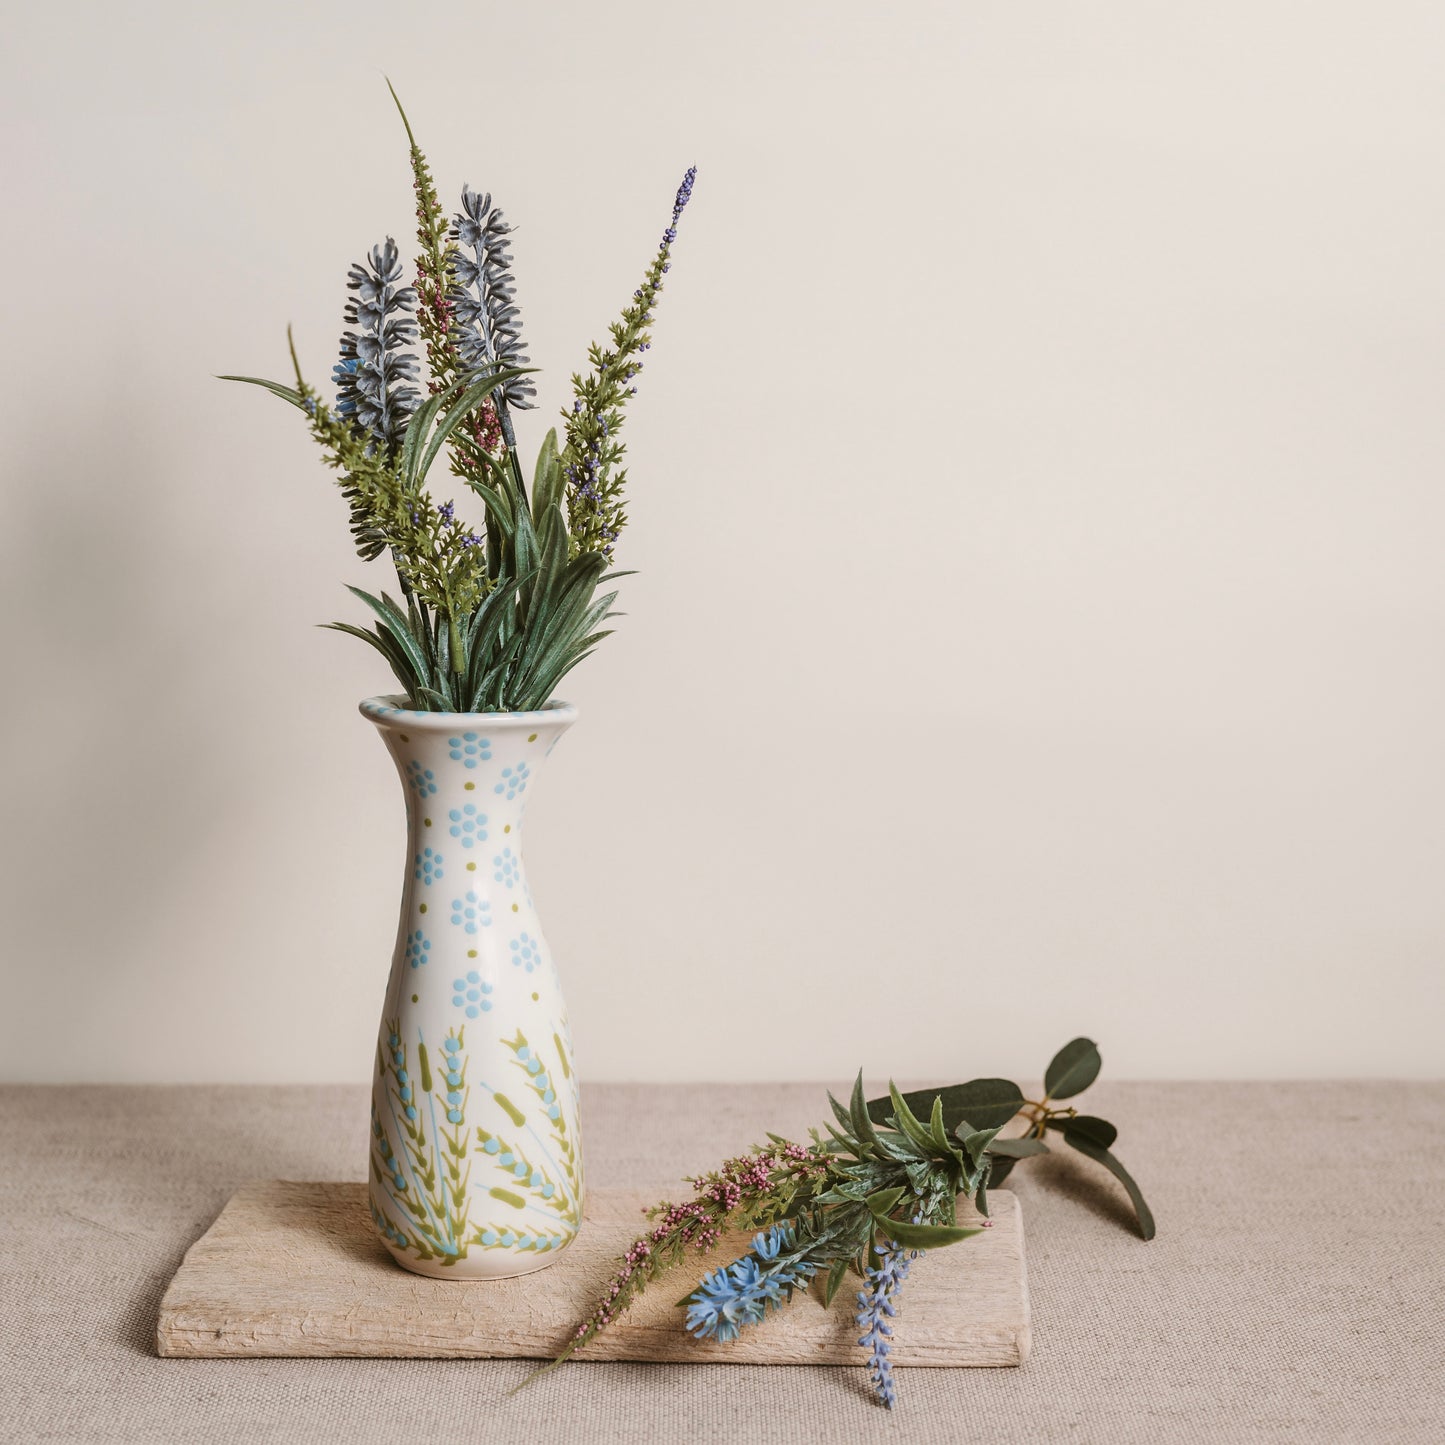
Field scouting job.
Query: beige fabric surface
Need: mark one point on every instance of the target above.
(1294, 1292)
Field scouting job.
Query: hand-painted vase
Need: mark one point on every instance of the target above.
(476, 1154)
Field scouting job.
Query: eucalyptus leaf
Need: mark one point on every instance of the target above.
(1000, 1170)
(1099, 1132)
(1072, 1069)
(983, 1102)
(1090, 1150)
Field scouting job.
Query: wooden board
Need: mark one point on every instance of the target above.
(295, 1269)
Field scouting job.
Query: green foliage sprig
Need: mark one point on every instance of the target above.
(875, 1187)
(485, 622)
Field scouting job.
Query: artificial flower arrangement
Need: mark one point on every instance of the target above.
(489, 621)
(867, 1195)
(475, 1156)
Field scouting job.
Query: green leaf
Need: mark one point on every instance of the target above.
(417, 428)
(881, 1201)
(1099, 1132)
(1072, 1069)
(466, 403)
(923, 1236)
(1017, 1148)
(1000, 1171)
(286, 393)
(499, 509)
(983, 1102)
(837, 1272)
(383, 642)
(977, 1142)
(547, 480)
(1090, 1150)
(905, 1121)
(862, 1125)
(935, 1127)
(839, 1112)
(980, 1197)
(395, 622)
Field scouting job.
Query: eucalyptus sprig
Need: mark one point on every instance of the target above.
(873, 1189)
(490, 621)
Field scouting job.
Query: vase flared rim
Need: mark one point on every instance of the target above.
(388, 710)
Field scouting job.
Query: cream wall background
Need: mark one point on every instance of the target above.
(1037, 500)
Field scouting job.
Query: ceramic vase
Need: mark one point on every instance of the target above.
(476, 1153)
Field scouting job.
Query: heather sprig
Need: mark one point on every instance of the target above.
(877, 1186)
(592, 453)
(750, 1191)
(433, 264)
(435, 561)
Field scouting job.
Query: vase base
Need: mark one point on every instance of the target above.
(479, 1270)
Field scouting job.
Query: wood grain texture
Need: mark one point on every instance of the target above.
(293, 1269)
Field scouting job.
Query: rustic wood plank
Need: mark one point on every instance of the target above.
(293, 1269)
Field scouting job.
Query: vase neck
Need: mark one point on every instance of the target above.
(468, 779)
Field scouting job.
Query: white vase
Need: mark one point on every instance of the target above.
(476, 1154)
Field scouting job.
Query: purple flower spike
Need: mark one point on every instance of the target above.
(876, 1306)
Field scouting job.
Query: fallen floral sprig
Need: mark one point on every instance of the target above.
(868, 1194)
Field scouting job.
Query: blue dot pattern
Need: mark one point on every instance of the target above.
(505, 864)
(428, 866)
(525, 952)
(468, 825)
(421, 780)
(469, 749)
(471, 912)
(514, 781)
(470, 994)
(418, 947)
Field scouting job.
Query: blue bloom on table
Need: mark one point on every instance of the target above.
(741, 1294)
(876, 1306)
